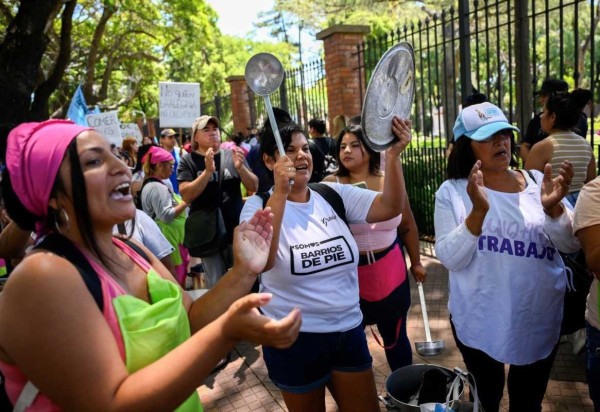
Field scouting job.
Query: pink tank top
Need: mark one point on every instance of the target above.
(15, 380)
(375, 236)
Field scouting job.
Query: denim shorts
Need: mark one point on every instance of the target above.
(308, 363)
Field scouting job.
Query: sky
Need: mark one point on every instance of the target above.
(236, 18)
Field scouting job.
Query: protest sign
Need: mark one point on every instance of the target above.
(179, 104)
(131, 130)
(107, 124)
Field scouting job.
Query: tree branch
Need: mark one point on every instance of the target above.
(90, 70)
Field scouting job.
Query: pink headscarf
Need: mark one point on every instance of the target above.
(157, 155)
(34, 154)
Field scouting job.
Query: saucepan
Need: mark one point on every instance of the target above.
(264, 74)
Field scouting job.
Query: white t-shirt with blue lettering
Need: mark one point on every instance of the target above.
(316, 265)
(506, 285)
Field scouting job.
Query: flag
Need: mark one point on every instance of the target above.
(78, 108)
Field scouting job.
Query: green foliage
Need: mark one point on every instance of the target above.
(121, 49)
(424, 170)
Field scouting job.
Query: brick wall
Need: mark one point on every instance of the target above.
(240, 106)
(340, 62)
(340, 43)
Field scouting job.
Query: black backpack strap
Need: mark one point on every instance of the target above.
(332, 197)
(136, 248)
(264, 196)
(61, 246)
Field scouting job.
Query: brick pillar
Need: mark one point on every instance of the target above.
(341, 61)
(240, 103)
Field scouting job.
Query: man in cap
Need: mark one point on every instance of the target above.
(168, 141)
(534, 133)
(209, 177)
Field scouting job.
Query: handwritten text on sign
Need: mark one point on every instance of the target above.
(179, 104)
(108, 125)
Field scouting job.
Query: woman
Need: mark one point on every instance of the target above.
(383, 284)
(130, 146)
(586, 226)
(561, 115)
(312, 265)
(497, 232)
(95, 359)
(166, 208)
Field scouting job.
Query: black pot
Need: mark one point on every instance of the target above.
(404, 383)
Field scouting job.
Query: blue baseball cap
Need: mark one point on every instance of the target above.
(480, 122)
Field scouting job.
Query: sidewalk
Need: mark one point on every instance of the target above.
(244, 384)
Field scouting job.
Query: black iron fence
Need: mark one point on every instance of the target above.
(303, 94)
(501, 48)
(220, 106)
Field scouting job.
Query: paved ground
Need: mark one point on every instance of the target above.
(244, 385)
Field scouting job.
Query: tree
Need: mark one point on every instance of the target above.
(118, 50)
(21, 51)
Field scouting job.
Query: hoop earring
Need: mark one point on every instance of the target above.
(66, 221)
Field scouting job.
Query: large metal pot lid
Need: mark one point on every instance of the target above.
(390, 93)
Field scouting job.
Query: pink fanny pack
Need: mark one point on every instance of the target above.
(381, 277)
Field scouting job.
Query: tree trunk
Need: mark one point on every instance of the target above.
(20, 56)
(39, 108)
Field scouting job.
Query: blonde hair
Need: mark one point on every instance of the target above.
(339, 124)
(148, 167)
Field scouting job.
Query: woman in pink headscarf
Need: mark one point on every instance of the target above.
(164, 206)
(107, 326)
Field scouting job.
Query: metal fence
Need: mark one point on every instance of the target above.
(501, 48)
(220, 106)
(303, 94)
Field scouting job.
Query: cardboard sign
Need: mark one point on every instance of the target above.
(131, 130)
(179, 104)
(108, 125)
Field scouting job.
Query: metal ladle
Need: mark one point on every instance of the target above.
(264, 74)
(429, 347)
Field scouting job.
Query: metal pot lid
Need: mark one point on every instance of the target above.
(264, 73)
(390, 93)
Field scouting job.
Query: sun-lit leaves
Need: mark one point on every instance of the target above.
(121, 49)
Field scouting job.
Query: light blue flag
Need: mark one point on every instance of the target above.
(78, 108)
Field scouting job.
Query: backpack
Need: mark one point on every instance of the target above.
(330, 195)
(61, 246)
(324, 163)
(138, 198)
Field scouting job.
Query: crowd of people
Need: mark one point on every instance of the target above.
(100, 245)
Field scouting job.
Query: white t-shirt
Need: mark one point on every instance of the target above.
(587, 213)
(506, 285)
(148, 233)
(316, 265)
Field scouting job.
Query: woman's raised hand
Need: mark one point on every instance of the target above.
(283, 172)
(554, 190)
(476, 189)
(401, 129)
(252, 241)
(244, 322)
